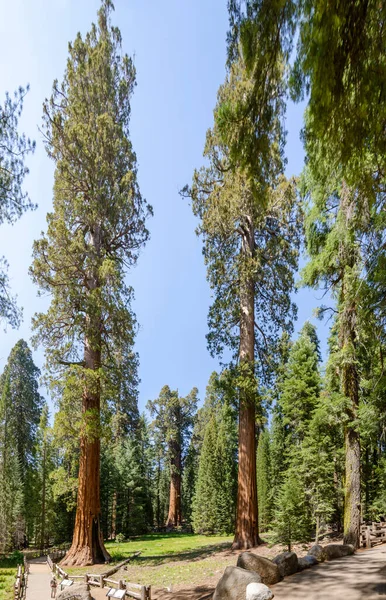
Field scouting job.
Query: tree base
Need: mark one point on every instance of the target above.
(246, 544)
(83, 556)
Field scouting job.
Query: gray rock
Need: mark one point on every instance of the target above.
(306, 562)
(258, 591)
(318, 552)
(78, 591)
(233, 584)
(268, 570)
(287, 563)
(338, 550)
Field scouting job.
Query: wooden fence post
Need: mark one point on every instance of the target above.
(101, 582)
(121, 585)
(143, 593)
(368, 538)
(149, 592)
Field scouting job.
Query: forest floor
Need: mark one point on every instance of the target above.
(180, 566)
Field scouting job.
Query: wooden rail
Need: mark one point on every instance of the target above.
(133, 590)
(20, 586)
(373, 534)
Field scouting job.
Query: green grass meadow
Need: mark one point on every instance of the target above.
(8, 571)
(166, 559)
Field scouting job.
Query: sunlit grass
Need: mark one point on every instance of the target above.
(167, 559)
(8, 571)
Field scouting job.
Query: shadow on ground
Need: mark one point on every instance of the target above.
(353, 578)
(189, 555)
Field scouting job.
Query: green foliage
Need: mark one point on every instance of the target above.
(301, 384)
(214, 501)
(264, 481)
(292, 523)
(341, 65)
(97, 226)
(14, 148)
(230, 214)
(20, 409)
(261, 34)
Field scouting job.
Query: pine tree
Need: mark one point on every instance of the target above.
(95, 232)
(264, 480)
(20, 415)
(205, 500)
(301, 385)
(14, 148)
(335, 224)
(45, 464)
(292, 522)
(11, 484)
(214, 501)
(317, 465)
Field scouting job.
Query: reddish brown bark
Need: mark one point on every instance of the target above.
(175, 514)
(247, 532)
(87, 543)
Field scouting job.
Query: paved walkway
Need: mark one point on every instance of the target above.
(38, 586)
(358, 577)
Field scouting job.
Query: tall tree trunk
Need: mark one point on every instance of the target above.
(352, 486)
(247, 528)
(87, 543)
(43, 524)
(350, 385)
(174, 515)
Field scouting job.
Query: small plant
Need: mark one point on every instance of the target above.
(120, 538)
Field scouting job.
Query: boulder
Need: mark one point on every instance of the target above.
(268, 570)
(258, 591)
(306, 562)
(318, 552)
(338, 550)
(78, 591)
(287, 563)
(233, 584)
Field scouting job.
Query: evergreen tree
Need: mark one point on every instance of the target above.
(292, 522)
(13, 200)
(173, 420)
(45, 465)
(11, 484)
(335, 227)
(19, 418)
(250, 231)
(301, 385)
(214, 502)
(264, 481)
(317, 465)
(205, 500)
(95, 231)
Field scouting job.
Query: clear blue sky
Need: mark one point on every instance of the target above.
(179, 48)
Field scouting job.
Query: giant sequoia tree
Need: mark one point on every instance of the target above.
(95, 232)
(173, 420)
(250, 231)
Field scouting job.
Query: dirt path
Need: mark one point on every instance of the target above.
(38, 586)
(353, 578)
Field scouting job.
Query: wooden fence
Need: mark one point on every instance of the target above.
(373, 534)
(133, 590)
(20, 586)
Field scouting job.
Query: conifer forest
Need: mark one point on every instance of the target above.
(287, 442)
